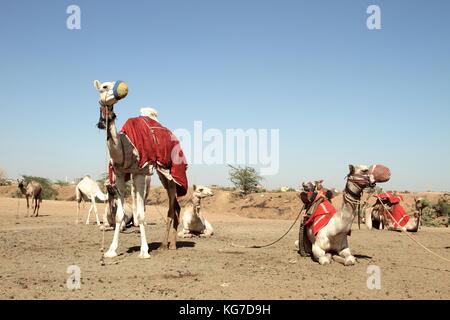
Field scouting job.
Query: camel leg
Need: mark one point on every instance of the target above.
(28, 207)
(78, 212)
(120, 183)
(139, 187)
(133, 202)
(38, 205)
(345, 253)
(96, 211)
(209, 231)
(320, 255)
(368, 219)
(89, 214)
(173, 216)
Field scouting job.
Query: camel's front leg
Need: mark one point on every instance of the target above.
(120, 183)
(96, 211)
(139, 187)
(89, 213)
(320, 255)
(345, 253)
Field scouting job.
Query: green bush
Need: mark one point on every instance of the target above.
(244, 179)
(48, 192)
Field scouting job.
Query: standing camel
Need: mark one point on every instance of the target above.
(332, 237)
(87, 190)
(129, 159)
(32, 190)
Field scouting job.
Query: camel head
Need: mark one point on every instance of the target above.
(202, 192)
(368, 176)
(21, 183)
(110, 93)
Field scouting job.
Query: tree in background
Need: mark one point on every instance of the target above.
(245, 179)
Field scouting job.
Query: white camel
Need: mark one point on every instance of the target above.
(332, 238)
(194, 223)
(126, 161)
(88, 190)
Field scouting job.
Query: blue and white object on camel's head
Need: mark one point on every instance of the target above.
(111, 92)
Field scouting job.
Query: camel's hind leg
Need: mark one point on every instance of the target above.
(95, 210)
(173, 214)
(38, 205)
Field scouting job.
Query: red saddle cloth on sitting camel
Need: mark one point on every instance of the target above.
(157, 145)
(321, 216)
(397, 211)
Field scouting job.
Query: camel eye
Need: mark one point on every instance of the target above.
(105, 87)
(201, 190)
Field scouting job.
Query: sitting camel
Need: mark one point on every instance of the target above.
(87, 190)
(387, 208)
(332, 236)
(194, 224)
(32, 190)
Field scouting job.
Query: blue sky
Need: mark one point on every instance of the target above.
(338, 92)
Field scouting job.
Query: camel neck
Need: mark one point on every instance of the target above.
(114, 145)
(352, 196)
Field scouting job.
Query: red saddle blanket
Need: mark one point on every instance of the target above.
(157, 145)
(397, 212)
(320, 218)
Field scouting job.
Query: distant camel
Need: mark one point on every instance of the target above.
(87, 190)
(32, 190)
(194, 224)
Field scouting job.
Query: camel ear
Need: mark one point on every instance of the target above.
(195, 187)
(351, 168)
(97, 84)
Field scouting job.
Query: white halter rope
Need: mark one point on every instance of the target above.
(409, 236)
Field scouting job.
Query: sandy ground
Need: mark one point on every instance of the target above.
(35, 254)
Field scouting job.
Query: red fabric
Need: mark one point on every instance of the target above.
(158, 145)
(400, 216)
(393, 199)
(397, 212)
(321, 216)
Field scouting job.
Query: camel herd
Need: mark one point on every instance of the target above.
(324, 236)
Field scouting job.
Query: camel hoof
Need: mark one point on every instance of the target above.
(144, 255)
(173, 246)
(350, 261)
(296, 243)
(324, 260)
(110, 254)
